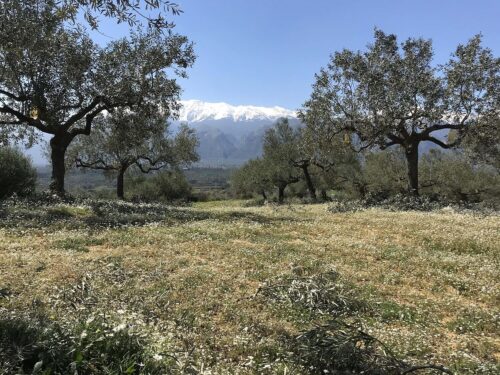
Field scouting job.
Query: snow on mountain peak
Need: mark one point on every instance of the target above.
(197, 111)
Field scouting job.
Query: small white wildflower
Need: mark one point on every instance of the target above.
(119, 327)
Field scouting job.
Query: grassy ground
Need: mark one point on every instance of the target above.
(221, 288)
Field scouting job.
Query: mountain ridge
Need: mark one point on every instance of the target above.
(230, 135)
(199, 111)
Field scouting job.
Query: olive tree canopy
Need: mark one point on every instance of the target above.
(54, 79)
(126, 139)
(393, 94)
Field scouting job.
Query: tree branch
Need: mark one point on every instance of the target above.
(152, 167)
(82, 113)
(440, 143)
(22, 119)
(98, 164)
(13, 96)
(435, 127)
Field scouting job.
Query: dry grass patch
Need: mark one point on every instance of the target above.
(189, 282)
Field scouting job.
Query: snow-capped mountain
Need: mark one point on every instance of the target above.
(230, 135)
(198, 111)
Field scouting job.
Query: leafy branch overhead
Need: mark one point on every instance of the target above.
(133, 12)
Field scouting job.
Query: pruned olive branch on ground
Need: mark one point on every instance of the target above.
(326, 295)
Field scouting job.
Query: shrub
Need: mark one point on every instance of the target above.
(452, 176)
(164, 186)
(17, 174)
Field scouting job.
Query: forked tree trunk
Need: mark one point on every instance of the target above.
(411, 153)
(58, 146)
(310, 185)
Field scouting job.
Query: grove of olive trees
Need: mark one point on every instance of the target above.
(56, 80)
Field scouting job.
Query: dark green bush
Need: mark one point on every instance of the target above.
(17, 174)
(164, 187)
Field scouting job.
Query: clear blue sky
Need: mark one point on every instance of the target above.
(265, 52)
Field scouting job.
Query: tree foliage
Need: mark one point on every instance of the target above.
(127, 139)
(392, 94)
(17, 174)
(164, 186)
(482, 144)
(292, 155)
(454, 177)
(384, 173)
(57, 81)
(251, 179)
(280, 151)
(131, 12)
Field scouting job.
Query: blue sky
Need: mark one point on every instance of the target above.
(265, 52)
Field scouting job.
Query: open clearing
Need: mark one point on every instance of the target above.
(193, 285)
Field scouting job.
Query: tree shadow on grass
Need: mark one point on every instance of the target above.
(100, 214)
(251, 217)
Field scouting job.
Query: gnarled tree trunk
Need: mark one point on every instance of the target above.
(120, 183)
(264, 195)
(310, 185)
(58, 145)
(411, 153)
(324, 195)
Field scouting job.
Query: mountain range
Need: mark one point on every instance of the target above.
(230, 135)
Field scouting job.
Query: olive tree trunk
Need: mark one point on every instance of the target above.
(281, 193)
(264, 195)
(310, 185)
(58, 145)
(120, 191)
(411, 153)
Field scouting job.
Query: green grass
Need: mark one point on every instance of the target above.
(223, 288)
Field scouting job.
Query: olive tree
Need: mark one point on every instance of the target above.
(252, 177)
(393, 94)
(331, 157)
(281, 156)
(319, 159)
(276, 168)
(127, 139)
(56, 80)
